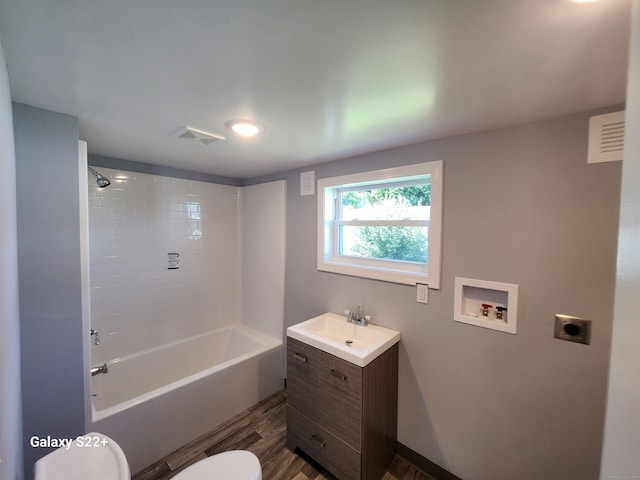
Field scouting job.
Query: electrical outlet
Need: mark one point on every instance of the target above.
(573, 329)
(422, 293)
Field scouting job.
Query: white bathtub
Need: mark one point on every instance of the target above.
(156, 401)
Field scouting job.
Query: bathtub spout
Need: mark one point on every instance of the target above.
(99, 369)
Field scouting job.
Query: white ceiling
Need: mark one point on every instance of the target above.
(327, 78)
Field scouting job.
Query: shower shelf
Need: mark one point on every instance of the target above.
(471, 297)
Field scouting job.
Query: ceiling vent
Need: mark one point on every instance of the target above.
(606, 137)
(196, 136)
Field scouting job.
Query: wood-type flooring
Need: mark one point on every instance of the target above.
(262, 430)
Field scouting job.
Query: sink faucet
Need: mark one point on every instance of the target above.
(357, 318)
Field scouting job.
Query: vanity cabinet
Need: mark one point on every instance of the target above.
(342, 415)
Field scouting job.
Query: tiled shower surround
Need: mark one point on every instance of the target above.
(165, 260)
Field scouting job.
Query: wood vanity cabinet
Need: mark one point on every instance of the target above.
(342, 415)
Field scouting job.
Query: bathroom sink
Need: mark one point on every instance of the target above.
(332, 333)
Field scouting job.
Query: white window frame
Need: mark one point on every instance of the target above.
(409, 273)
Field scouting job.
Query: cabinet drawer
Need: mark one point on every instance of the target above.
(341, 399)
(302, 377)
(325, 448)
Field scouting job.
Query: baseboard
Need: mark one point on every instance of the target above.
(424, 464)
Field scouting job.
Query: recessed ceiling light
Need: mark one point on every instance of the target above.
(246, 128)
(583, 1)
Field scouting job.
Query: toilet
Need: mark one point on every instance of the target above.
(233, 465)
(97, 457)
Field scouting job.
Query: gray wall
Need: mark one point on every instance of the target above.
(10, 410)
(622, 434)
(49, 272)
(131, 166)
(521, 206)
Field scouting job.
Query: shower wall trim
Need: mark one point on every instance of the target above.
(84, 275)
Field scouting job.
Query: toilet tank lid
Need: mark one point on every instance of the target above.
(93, 455)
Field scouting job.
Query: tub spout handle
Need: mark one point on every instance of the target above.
(99, 369)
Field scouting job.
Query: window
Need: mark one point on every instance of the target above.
(384, 225)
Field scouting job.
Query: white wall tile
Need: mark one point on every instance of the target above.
(263, 230)
(136, 302)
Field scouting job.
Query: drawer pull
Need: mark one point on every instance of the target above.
(339, 375)
(317, 440)
(299, 357)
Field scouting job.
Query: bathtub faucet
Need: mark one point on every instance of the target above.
(96, 341)
(357, 318)
(99, 369)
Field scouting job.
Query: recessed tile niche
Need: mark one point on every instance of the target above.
(486, 304)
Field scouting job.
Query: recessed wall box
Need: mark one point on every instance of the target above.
(486, 304)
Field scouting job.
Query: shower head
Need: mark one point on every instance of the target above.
(100, 180)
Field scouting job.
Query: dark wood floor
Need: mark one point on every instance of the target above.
(262, 430)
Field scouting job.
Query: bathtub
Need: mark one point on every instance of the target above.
(155, 401)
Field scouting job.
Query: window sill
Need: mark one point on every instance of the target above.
(381, 274)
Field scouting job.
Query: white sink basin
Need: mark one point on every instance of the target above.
(333, 334)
